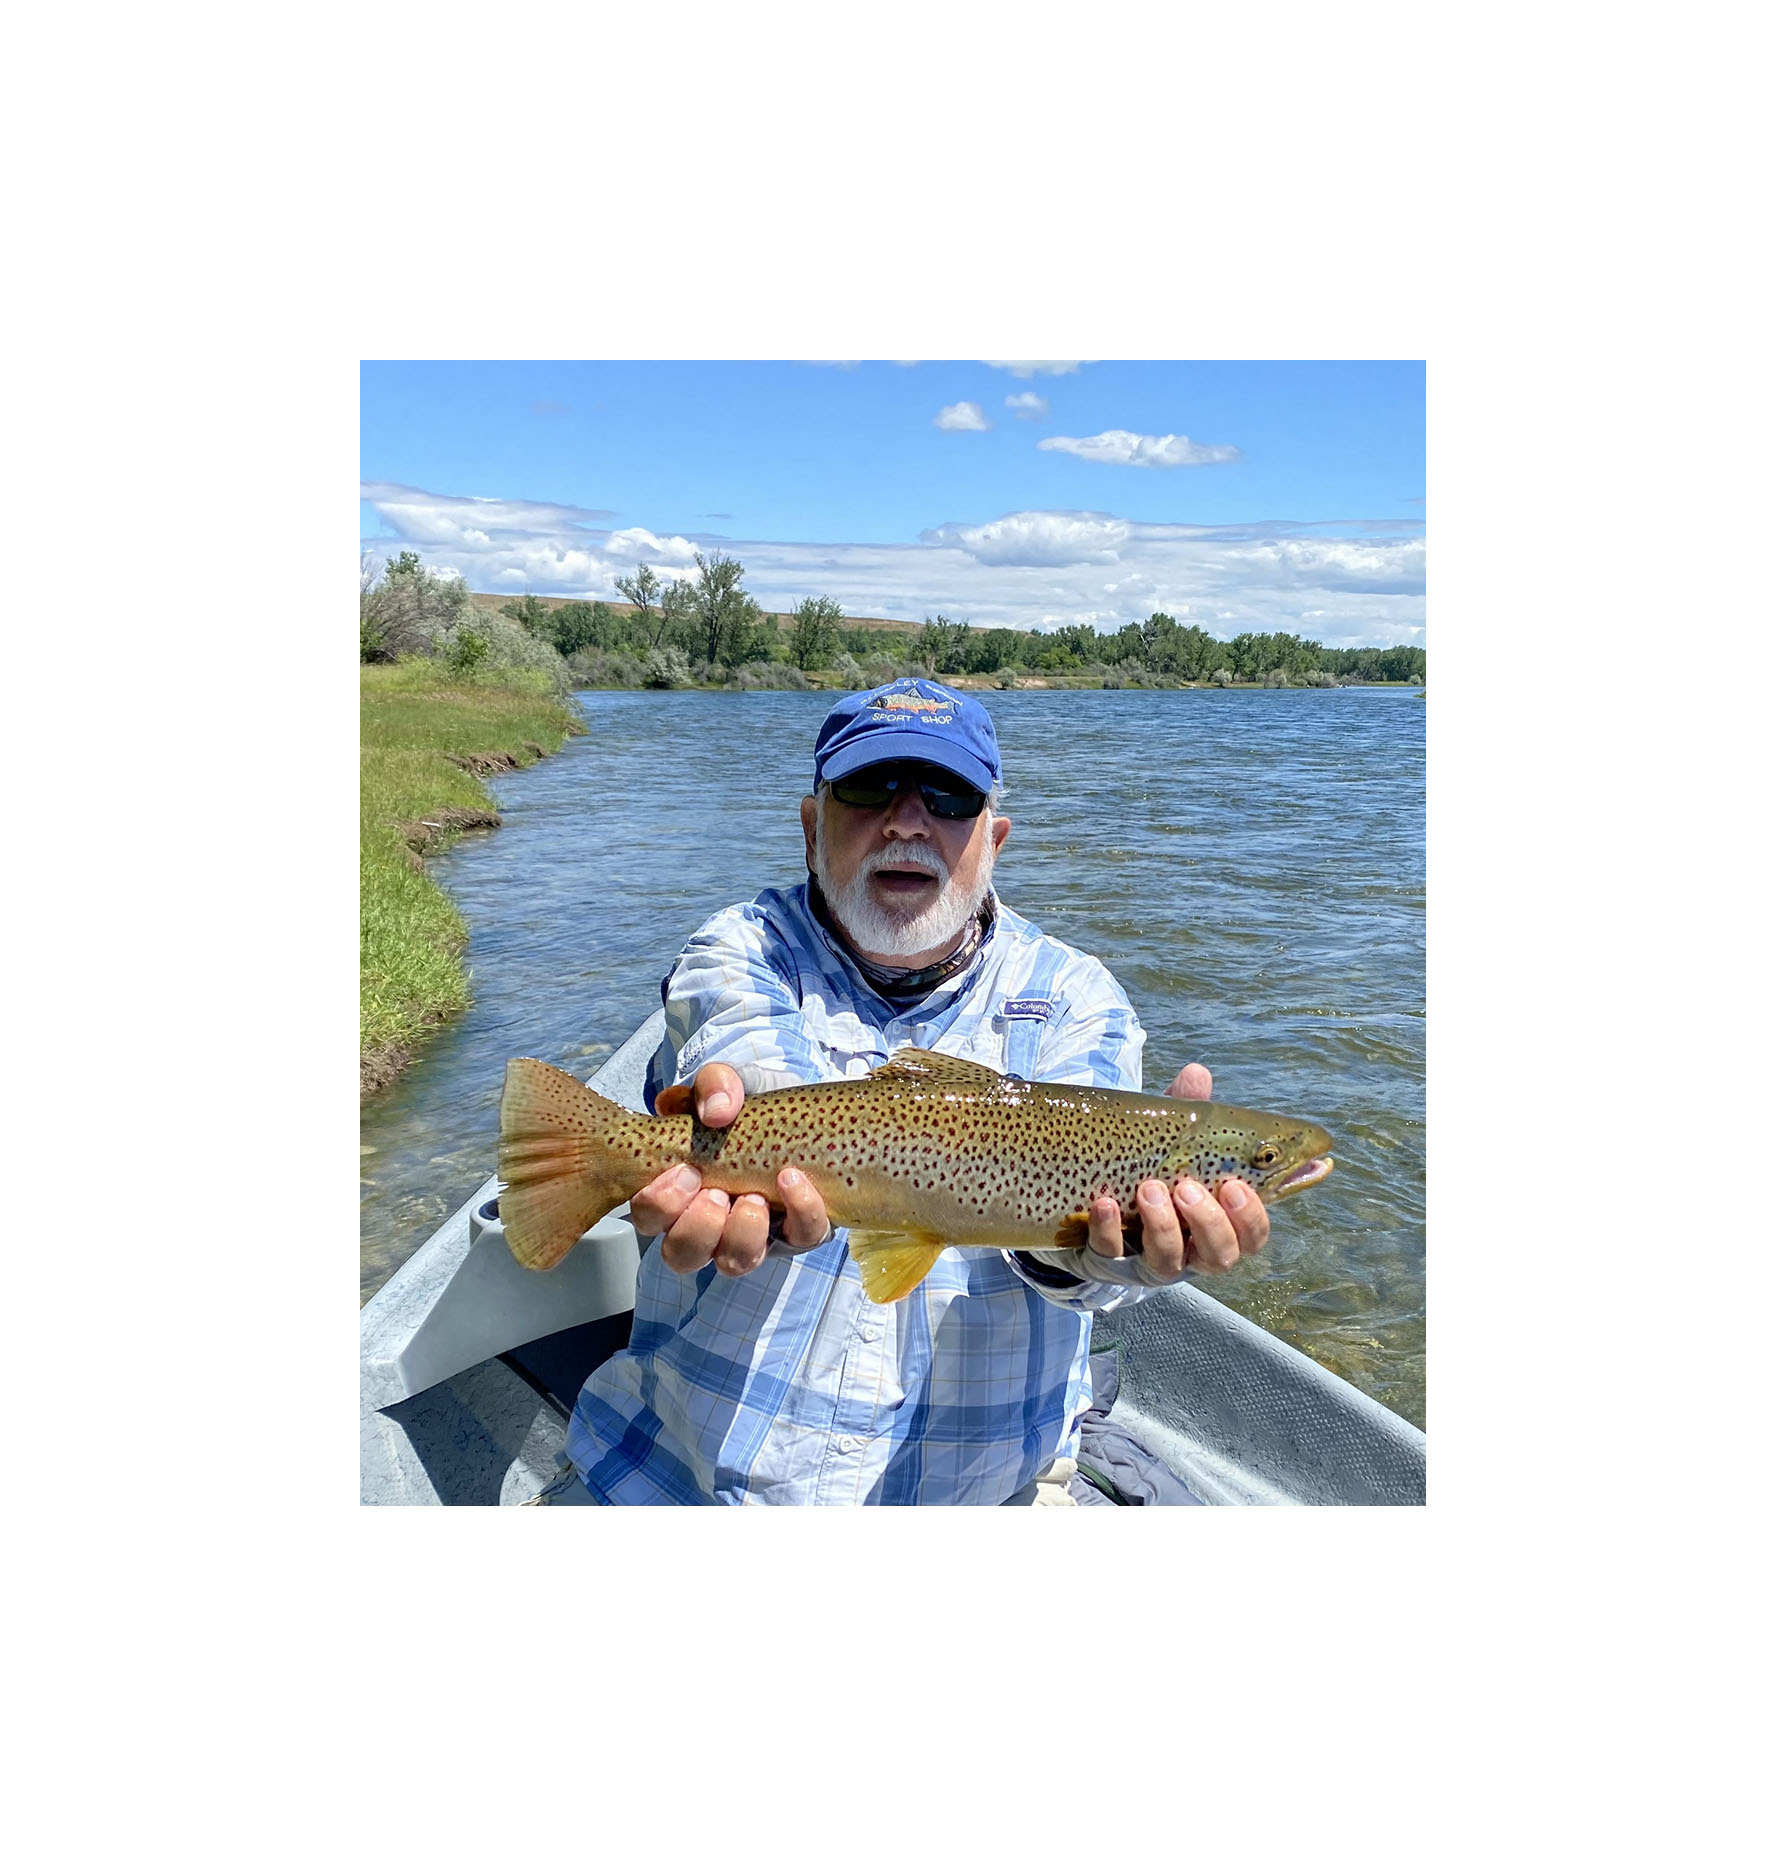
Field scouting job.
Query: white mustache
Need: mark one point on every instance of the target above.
(906, 855)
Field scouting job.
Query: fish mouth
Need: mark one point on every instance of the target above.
(1300, 1177)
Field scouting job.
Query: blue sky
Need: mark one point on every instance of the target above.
(1240, 495)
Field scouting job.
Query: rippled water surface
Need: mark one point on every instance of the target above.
(1249, 865)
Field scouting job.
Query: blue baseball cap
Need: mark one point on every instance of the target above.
(914, 719)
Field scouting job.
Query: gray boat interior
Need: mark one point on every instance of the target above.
(469, 1366)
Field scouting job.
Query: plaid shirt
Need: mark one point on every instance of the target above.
(788, 1385)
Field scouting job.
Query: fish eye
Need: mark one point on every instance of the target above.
(1266, 1154)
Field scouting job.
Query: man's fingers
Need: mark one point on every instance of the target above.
(807, 1222)
(1162, 1241)
(692, 1239)
(657, 1206)
(1106, 1227)
(1213, 1245)
(1192, 1083)
(1247, 1214)
(719, 1094)
(744, 1237)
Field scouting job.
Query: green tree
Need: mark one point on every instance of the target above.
(640, 589)
(573, 627)
(532, 614)
(943, 646)
(816, 624)
(724, 611)
(678, 624)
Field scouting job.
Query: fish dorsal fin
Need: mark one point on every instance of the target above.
(893, 1263)
(915, 1065)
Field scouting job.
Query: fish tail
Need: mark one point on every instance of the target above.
(566, 1156)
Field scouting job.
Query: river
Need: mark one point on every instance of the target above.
(1250, 865)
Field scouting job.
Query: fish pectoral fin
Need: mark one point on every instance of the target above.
(914, 1065)
(1074, 1233)
(894, 1263)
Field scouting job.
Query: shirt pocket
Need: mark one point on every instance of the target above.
(1007, 1045)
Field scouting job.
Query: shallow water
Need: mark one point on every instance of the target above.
(1250, 866)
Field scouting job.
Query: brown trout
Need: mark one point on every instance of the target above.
(926, 1152)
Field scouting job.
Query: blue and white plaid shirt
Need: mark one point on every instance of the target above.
(788, 1385)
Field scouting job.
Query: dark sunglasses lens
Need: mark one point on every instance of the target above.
(949, 802)
(876, 787)
(865, 790)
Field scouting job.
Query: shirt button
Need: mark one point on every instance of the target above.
(852, 1444)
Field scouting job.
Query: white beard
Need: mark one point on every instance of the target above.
(897, 935)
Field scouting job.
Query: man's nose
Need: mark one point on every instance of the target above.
(906, 816)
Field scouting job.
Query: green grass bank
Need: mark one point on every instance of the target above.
(426, 740)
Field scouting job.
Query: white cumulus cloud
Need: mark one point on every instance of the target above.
(1120, 447)
(1038, 538)
(1024, 370)
(636, 543)
(1027, 406)
(962, 417)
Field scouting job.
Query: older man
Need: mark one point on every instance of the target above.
(758, 1371)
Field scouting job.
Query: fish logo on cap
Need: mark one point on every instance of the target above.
(912, 703)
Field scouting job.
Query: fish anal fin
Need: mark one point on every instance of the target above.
(914, 1065)
(893, 1263)
(678, 1098)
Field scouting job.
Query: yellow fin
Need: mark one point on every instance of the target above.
(893, 1263)
(914, 1065)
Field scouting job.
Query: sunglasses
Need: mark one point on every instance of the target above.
(945, 796)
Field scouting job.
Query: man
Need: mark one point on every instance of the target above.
(758, 1370)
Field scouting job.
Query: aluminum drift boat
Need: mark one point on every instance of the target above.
(469, 1366)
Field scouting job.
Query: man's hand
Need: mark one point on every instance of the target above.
(1184, 1227)
(707, 1226)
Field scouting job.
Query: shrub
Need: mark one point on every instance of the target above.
(877, 673)
(372, 646)
(1222, 677)
(403, 609)
(759, 676)
(1007, 677)
(666, 667)
(598, 667)
(509, 645)
(466, 653)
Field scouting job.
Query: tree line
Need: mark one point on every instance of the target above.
(709, 627)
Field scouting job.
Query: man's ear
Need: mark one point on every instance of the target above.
(1001, 828)
(809, 822)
